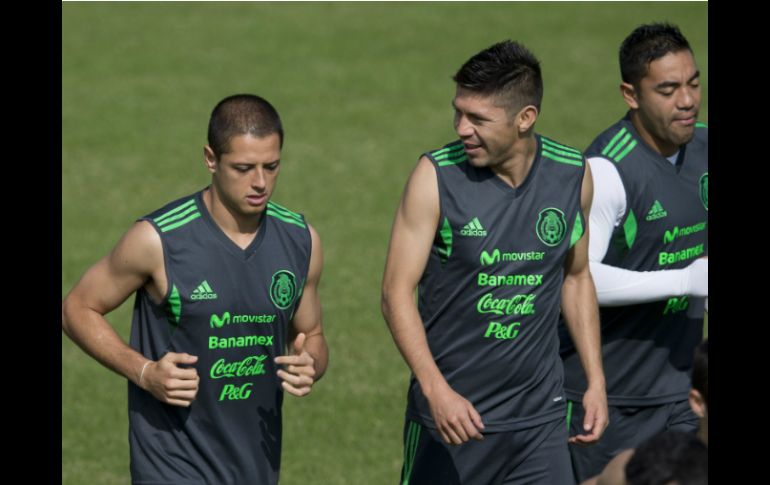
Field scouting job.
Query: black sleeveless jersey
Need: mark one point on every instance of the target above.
(230, 307)
(490, 294)
(647, 349)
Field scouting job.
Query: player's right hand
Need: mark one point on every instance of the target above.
(456, 419)
(169, 382)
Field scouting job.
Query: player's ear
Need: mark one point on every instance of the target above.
(526, 118)
(629, 94)
(210, 159)
(697, 403)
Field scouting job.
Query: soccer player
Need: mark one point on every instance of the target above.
(671, 455)
(225, 280)
(648, 225)
(491, 228)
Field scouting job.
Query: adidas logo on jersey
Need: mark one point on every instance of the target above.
(203, 292)
(473, 228)
(656, 212)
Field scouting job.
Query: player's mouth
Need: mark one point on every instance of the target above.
(472, 148)
(685, 120)
(256, 200)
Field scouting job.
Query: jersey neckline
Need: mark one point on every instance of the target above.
(520, 189)
(220, 235)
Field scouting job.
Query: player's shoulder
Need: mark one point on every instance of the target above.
(139, 249)
(284, 216)
(452, 153)
(559, 152)
(175, 214)
(616, 142)
(701, 133)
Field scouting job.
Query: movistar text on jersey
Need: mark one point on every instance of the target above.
(485, 279)
(677, 232)
(226, 319)
(237, 342)
(496, 256)
(665, 258)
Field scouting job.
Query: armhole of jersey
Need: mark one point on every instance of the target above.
(578, 227)
(441, 213)
(622, 185)
(623, 231)
(440, 232)
(301, 290)
(624, 234)
(164, 250)
(579, 222)
(627, 209)
(309, 257)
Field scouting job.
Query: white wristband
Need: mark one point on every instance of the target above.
(141, 374)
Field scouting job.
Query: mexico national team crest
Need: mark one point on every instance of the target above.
(283, 289)
(551, 226)
(704, 190)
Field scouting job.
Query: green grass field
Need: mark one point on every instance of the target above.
(363, 89)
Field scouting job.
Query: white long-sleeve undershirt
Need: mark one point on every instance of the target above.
(616, 286)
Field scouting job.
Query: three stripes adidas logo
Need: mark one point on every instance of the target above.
(203, 292)
(473, 228)
(450, 155)
(178, 217)
(656, 211)
(620, 146)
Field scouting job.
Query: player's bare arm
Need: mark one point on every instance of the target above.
(412, 235)
(308, 355)
(581, 313)
(136, 261)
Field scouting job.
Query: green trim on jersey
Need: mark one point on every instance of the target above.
(174, 307)
(617, 149)
(624, 237)
(296, 300)
(701, 124)
(451, 154)
(560, 153)
(446, 238)
(283, 214)
(569, 414)
(283, 210)
(629, 228)
(178, 216)
(625, 152)
(577, 230)
(159, 220)
(410, 450)
(612, 142)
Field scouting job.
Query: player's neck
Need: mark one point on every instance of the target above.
(662, 147)
(703, 430)
(239, 228)
(516, 167)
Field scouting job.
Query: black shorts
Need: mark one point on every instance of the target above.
(629, 426)
(536, 455)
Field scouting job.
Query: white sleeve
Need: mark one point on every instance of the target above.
(617, 286)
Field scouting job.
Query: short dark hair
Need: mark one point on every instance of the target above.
(242, 114)
(645, 44)
(506, 70)
(700, 370)
(669, 456)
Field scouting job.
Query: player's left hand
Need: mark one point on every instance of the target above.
(596, 417)
(299, 374)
